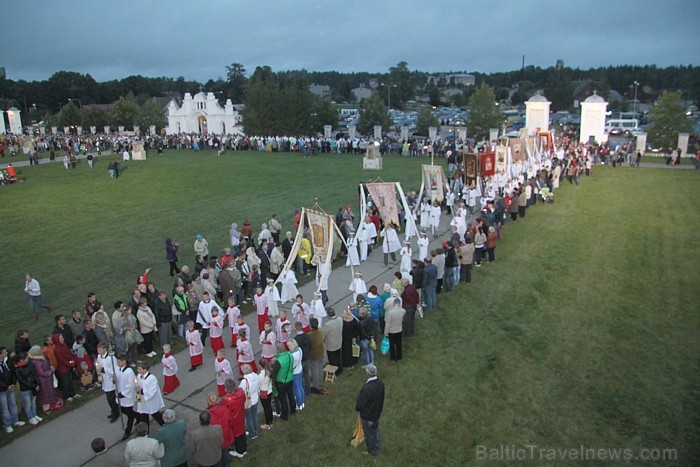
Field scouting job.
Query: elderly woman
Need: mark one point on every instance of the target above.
(173, 436)
(143, 451)
(351, 334)
(127, 336)
(491, 240)
(103, 329)
(46, 397)
(250, 384)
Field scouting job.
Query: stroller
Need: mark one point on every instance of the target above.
(546, 196)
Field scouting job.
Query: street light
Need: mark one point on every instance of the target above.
(389, 86)
(80, 104)
(634, 103)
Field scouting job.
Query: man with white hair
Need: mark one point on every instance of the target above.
(370, 403)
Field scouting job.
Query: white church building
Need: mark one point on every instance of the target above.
(203, 114)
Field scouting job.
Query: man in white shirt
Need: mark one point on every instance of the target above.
(204, 314)
(126, 392)
(33, 289)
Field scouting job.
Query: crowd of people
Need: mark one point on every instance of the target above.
(95, 350)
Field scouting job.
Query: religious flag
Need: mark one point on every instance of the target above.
(488, 164)
(435, 182)
(321, 231)
(384, 198)
(501, 158)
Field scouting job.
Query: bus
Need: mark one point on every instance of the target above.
(622, 126)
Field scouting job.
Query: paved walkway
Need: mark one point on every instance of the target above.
(22, 160)
(65, 441)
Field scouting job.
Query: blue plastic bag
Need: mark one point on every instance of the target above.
(385, 345)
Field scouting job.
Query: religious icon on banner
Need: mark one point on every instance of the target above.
(318, 235)
(501, 157)
(471, 165)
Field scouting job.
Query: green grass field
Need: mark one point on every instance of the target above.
(583, 333)
(80, 231)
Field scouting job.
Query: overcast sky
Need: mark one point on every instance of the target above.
(112, 39)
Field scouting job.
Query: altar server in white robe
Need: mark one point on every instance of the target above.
(149, 398)
(351, 245)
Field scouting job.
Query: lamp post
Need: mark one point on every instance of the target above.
(634, 103)
(80, 104)
(389, 86)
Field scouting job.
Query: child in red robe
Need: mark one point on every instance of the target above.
(170, 381)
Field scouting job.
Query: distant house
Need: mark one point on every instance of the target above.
(361, 92)
(461, 79)
(373, 83)
(583, 89)
(320, 90)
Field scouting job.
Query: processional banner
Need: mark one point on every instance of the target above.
(384, 198)
(471, 168)
(488, 164)
(501, 158)
(321, 231)
(517, 149)
(435, 182)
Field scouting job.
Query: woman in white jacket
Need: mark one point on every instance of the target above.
(390, 243)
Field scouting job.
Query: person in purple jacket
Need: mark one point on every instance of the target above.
(171, 256)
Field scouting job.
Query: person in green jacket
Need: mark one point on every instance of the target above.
(172, 435)
(283, 374)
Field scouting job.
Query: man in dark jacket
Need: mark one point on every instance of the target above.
(430, 284)
(370, 403)
(410, 300)
(164, 315)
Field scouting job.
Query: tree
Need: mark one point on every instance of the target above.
(69, 115)
(425, 120)
(484, 114)
(153, 114)
(668, 119)
(261, 103)
(558, 88)
(373, 112)
(95, 116)
(400, 77)
(235, 75)
(125, 112)
(323, 113)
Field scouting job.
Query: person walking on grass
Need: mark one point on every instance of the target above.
(369, 404)
(33, 289)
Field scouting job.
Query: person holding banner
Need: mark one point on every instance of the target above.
(435, 212)
(390, 243)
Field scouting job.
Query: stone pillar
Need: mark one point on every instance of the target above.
(493, 134)
(15, 120)
(120, 128)
(537, 112)
(65, 130)
(106, 129)
(404, 133)
(2, 123)
(352, 130)
(42, 130)
(327, 131)
(462, 133)
(641, 143)
(432, 133)
(683, 143)
(54, 130)
(93, 130)
(593, 119)
(152, 130)
(80, 130)
(137, 130)
(378, 131)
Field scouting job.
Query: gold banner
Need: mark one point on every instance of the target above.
(384, 198)
(321, 231)
(435, 182)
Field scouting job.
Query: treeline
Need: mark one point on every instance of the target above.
(40, 99)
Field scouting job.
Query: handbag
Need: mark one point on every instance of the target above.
(86, 379)
(264, 394)
(248, 403)
(373, 344)
(355, 350)
(385, 345)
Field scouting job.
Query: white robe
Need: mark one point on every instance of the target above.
(317, 310)
(289, 288)
(424, 215)
(273, 297)
(391, 243)
(126, 387)
(423, 243)
(353, 257)
(406, 256)
(151, 398)
(366, 234)
(169, 365)
(435, 212)
(357, 286)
